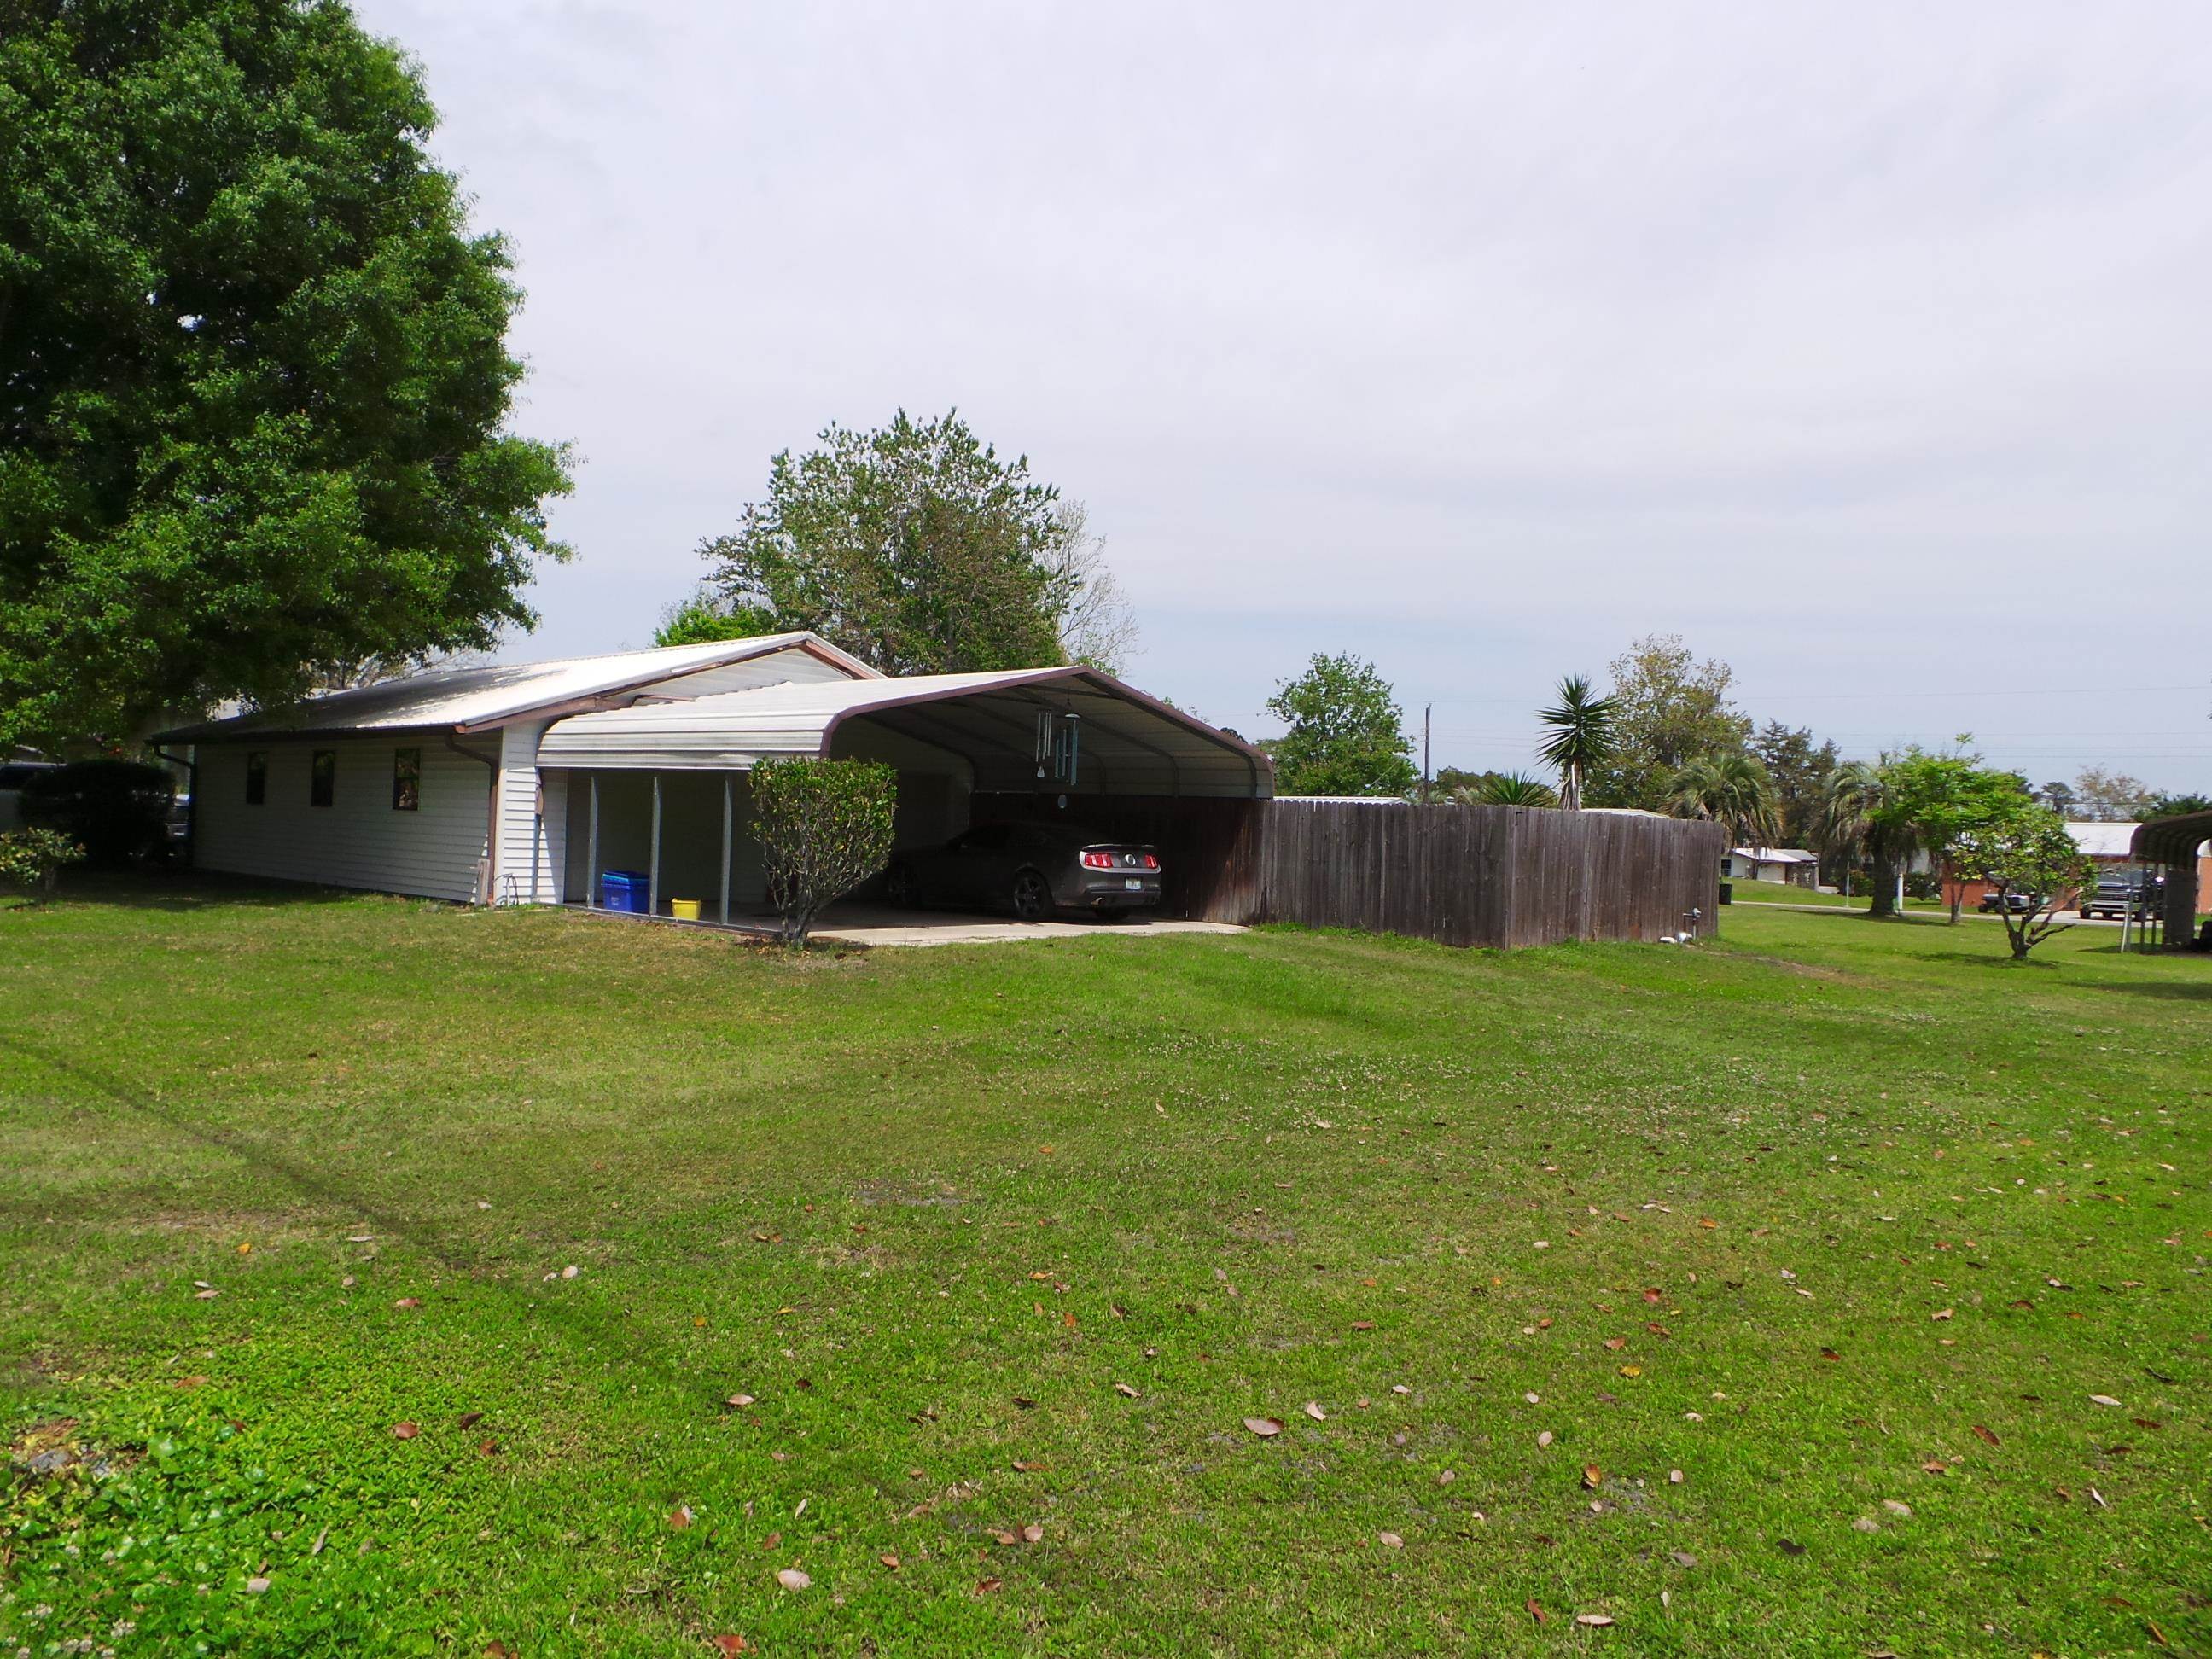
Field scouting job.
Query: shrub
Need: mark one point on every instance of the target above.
(116, 810)
(31, 860)
(824, 828)
(2028, 851)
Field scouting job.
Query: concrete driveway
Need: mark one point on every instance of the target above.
(874, 925)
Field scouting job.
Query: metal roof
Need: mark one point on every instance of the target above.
(2172, 841)
(467, 698)
(2102, 841)
(1776, 854)
(1130, 743)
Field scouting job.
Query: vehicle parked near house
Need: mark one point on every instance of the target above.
(2017, 903)
(1031, 869)
(2121, 893)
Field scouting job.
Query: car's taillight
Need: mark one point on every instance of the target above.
(1150, 862)
(1098, 860)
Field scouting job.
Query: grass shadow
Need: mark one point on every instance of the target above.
(190, 890)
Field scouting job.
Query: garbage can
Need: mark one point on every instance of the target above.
(1728, 892)
(628, 891)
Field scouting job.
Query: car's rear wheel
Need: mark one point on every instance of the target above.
(1032, 897)
(899, 887)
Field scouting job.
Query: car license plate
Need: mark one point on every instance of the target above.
(1134, 884)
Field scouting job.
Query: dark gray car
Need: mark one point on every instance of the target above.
(1030, 869)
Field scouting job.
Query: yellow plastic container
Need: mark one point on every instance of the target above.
(683, 909)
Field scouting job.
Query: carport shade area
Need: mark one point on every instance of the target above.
(2175, 844)
(661, 787)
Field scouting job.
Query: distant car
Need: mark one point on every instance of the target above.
(2123, 892)
(2018, 903)
(1030, 869)
(13, 774)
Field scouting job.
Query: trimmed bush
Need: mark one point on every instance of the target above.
(117, 810)
(824, 827)
(31, 860)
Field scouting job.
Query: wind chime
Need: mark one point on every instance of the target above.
(1057, 747)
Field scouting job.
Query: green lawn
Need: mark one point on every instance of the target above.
(1783, 892)
(1829, 1216)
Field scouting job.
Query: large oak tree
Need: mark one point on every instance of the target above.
(254, 383)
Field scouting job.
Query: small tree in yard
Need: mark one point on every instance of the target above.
(2027, 851)
(31, 862)
(824, 828)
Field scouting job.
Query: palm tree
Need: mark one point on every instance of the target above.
(1581, 737)
(1733, 790)
(1858, 815)
(1508, 789)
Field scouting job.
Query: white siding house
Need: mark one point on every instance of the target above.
(485, 823)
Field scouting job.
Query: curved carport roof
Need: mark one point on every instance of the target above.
(2172, 841)
(1129, 744)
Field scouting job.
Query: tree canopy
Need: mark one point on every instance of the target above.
(1668, 709)
(1346, 735)
(1583, 737)
(255, 384)
(920, 551)
(705, 618)
(1798, 769)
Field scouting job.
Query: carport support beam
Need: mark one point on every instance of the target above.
(653, 869)
(592, 857)
(726, 849)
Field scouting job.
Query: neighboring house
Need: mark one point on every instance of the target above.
(1792, 865)
(524, 783)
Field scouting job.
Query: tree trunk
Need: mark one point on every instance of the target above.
(1958, 891)
(1883, 886)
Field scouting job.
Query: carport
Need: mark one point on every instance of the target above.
(661, 785)
(2175, 845)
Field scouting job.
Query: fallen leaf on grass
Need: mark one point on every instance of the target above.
(730, 1645)
(1591, 1476)
(792, 1578)
(1266, 1427)
(1033, 1533)
(405, 1431)
(889, 1561)
(987, 1586)
(1616, 1343)
(1595, 1620)
(1391, 1540)
(737, 1402)
(1000, 1536)
(1941, 1313)
(190, 1382)
(1538, 1613)
(1444, 1478)
(1675, 1477)
(489, 1448)
(496, 1650)
(2102, 1399)
(1981, 1432)
(1363, 1324)
(1314, 1411)
(1896, 1508)
(1830, 1354)
(1788, 1547)
(1935, 1466)
(1631, 1371)
(409, 1302)
(1544, 1438)
(1654, 1295)
(1020, 1467)
(468, 1419)
(679, 1517)
(1125, 1391)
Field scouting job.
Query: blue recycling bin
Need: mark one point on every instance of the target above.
(628, 891)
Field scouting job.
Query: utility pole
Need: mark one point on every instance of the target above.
(1426, 709)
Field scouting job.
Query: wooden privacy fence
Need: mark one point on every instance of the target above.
(1494, 876)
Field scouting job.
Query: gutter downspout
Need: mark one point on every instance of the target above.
(192, 798)
(490, 865)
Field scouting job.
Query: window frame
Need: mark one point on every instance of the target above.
(257, 777)
(322, 777)
(407, 778)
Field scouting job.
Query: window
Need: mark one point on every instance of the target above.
(257, 777)
(322, 777)
(406, 780)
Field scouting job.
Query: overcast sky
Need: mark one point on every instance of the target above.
(1868, 347)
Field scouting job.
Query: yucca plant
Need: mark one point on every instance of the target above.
(1514, 789)
(1582, 738)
